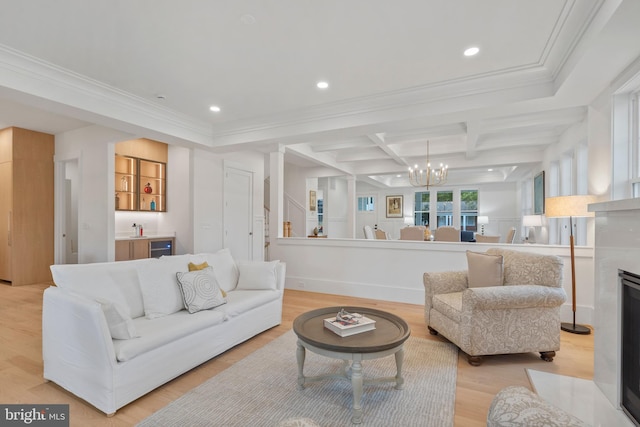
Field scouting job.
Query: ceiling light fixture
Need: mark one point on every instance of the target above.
(214, 108)
(428, 177)
(322, 85)
(471, 51)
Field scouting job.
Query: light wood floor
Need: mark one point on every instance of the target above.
(21, 360)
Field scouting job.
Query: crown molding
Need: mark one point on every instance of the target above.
(98, 102)
(506, 86)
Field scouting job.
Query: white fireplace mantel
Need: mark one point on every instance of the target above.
(617, 247)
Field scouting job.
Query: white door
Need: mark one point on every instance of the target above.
(238, 213)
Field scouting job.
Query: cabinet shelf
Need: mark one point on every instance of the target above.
(132, 175)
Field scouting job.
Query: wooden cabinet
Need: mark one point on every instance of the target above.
(138, 248)
(132, 249)
(141, 176)
(26, 206)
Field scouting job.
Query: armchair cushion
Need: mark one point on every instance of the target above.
(484, 269)
(449, 304)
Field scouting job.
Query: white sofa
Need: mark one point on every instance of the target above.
(141, 303)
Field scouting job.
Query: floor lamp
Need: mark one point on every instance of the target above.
(571, 207)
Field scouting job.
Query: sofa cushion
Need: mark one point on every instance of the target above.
(257, 275)
(241, 301)
(160, 290)
(484, 270)
(200, 290)
(224, 267)
(120, 323)
(112, 281)
(449, 304)
(159, 331)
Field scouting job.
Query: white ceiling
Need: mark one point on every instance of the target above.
(396, 71)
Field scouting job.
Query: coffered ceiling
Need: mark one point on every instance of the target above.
(396, 72)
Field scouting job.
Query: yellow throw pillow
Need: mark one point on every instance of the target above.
(197, 267)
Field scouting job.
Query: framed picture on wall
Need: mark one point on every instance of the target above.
(538, 194)
(394, 206)
(312, 200)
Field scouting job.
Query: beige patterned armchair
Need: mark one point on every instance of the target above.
(520, 316)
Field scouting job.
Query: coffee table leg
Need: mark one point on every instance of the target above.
(300, 355)
(399, 359)
(356, 383)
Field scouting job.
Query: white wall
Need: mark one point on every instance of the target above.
(391, 270)
(207, 184)
(94, 147)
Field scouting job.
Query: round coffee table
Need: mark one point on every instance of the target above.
(386, 339)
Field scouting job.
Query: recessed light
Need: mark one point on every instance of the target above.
(322, 85)
(489, 170)
(214, 108)
(471, 51)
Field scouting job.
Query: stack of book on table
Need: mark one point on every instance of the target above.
(346, 324)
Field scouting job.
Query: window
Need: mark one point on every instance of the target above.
(366, 204)
(421, 213)
(468, 210)
(445, 208)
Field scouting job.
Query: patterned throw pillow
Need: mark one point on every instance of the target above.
(197, 267)
(200, 290)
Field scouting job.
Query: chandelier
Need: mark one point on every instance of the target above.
(430, 176)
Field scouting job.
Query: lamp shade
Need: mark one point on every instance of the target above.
(532, 220)
(565, 206)
(482, 219)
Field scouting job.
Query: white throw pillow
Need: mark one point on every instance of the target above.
(200, 290)
(224, 267)
(111, 281)
(121, 325)
(257, 275)
(160, 290)
(484, 270)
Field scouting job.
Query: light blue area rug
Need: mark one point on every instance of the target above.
(261, 390)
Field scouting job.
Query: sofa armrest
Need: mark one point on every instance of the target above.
(281, 272)
(441, 283)
(76, 342)
(444, 282)
(509, 297)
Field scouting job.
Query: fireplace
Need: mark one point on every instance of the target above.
(617, 249)
(630, 369)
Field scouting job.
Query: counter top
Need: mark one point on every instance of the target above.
(615, 205)
(146, 236)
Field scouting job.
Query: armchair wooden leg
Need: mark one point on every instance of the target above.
(547, 356)
(432, 331)
(474, 360)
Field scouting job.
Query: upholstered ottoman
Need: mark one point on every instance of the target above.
(518, 406)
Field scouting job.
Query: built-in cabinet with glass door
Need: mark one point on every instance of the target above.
(140, 184)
